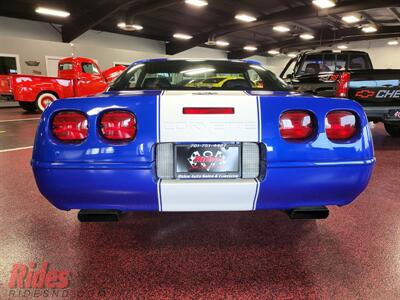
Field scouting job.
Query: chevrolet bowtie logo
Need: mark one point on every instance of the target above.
(365, 94)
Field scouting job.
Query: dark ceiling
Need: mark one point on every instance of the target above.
(162, 18)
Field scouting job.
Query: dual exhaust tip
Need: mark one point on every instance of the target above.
(308, 213)
(85, 215)
(301, 213)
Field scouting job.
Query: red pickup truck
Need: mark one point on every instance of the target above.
(77, 76)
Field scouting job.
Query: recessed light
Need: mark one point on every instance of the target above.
(342, 47)
(324, 3)
(306, 36)
(281, 28)
(292, 55)
(197, 71)
(393, 43)
(369, 29)
(351, 19)
(198, 3)
(222, 43)
(182, 36)
(250, 48)
(245, 18)
(52, 12)
(273, 52)
(129, 27)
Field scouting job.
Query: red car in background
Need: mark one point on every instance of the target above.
(77, 77)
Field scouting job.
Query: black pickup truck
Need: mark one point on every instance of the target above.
(349, 74)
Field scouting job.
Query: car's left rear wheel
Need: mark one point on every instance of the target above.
(393, 129)
(45, 100)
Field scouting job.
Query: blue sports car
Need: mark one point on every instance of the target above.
(154, 143)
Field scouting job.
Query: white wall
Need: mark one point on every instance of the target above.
(382, 55)
(32, 41)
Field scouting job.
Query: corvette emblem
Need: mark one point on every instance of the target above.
(206, 161)
(365, 94)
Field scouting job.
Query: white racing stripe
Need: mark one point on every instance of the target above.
(174, 126)
(177, 127)
(16, 149)
(208, 195)
(19, 120)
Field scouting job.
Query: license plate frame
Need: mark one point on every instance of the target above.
(208, 161)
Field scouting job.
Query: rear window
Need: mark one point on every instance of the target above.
(65, 66)
(90, 68)
(213, 80)
(312, 64)
(341, 62)
(358, 62)
(197, 75)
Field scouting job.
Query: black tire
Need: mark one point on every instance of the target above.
(28, 106)
(393, 129)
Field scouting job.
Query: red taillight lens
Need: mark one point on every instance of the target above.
(70, 126)
(342, 86)
(208, 110)
(118, 125)
(340, 125)
(296, 125)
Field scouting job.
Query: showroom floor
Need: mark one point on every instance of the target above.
(355, 254)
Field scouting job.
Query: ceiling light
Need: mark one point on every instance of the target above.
(198, 3)
(250, 48)
(222, 43)
(324, 3)
(342, 47)
(306, 36)
(52, 12)
(273, 52)
(182, 36)
(281, 28)
(292, 55)
(129, 27)
(245, 18)
(197, 71)
(351, 19)
(369, 29)
(393, 43)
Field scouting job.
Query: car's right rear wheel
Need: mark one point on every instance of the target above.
(393, 129)
(45, 100)
(28, 106)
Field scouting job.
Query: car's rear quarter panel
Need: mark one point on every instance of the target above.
(27, 88)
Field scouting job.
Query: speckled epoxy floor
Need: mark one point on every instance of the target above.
(355, 254)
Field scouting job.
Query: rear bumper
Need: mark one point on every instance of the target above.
(133, 187)
(379, 113)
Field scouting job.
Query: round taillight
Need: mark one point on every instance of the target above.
(70, 126)
(340, 125)
(118, 125)
(296, 125)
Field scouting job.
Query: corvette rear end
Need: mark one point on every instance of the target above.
(150, 144)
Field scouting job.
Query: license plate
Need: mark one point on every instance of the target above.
(394, 114)
(207, 161)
